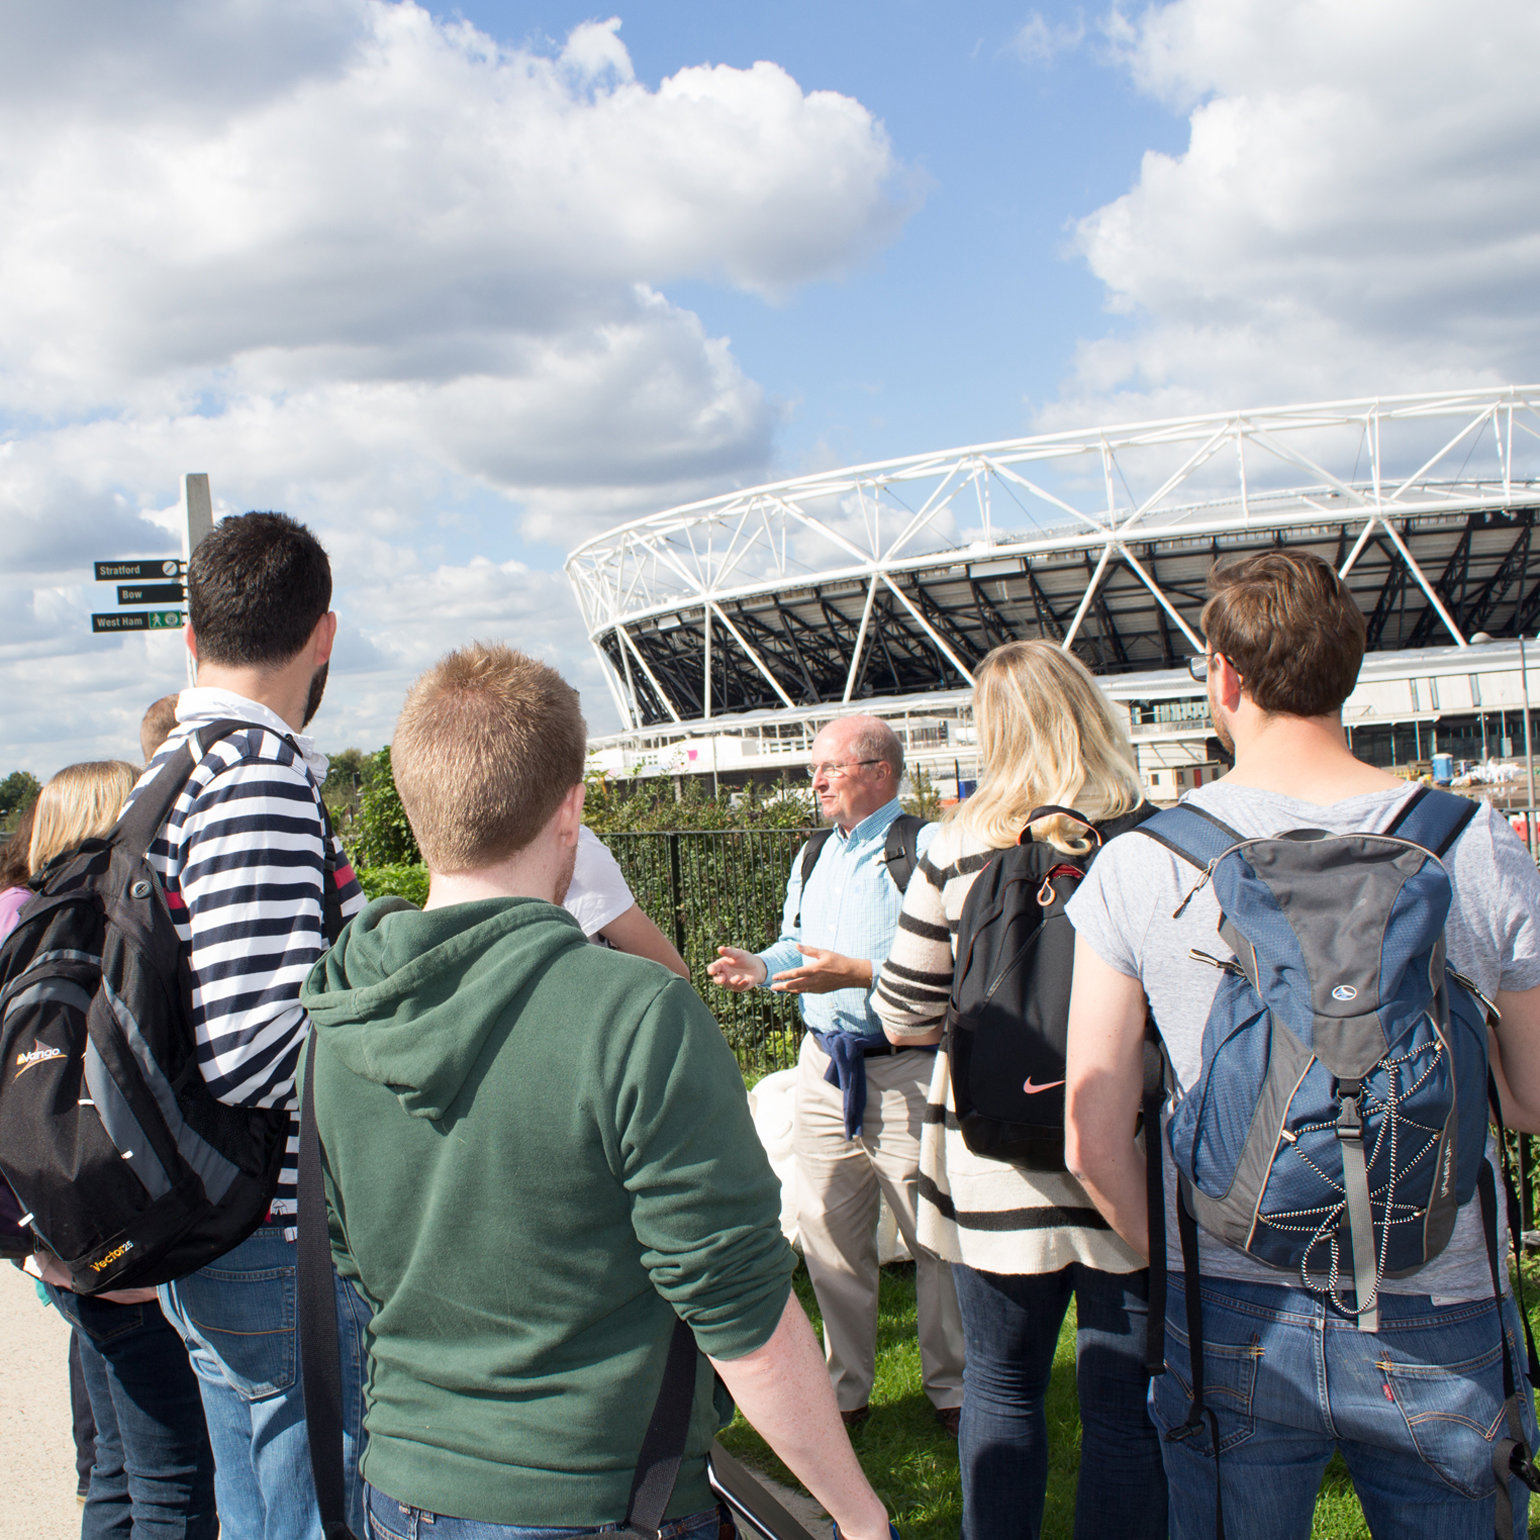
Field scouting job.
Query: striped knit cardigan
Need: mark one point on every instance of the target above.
(243, 861)
(987, 1214)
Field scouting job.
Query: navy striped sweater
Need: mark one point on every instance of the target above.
(242, 860)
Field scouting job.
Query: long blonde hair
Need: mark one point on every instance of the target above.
(1047, 734)
(79, 803)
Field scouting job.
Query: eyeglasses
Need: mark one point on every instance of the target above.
(836, 771)
(1198, 663)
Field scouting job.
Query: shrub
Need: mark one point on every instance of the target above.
(407, 879)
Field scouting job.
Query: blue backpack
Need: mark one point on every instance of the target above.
(1340, 1117)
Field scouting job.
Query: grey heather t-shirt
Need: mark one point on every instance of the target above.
(1125, 911)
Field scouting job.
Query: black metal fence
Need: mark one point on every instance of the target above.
(721, 887)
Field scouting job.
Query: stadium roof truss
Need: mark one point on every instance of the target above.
(896, 578)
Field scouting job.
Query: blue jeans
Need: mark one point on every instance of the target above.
(1011, 1327)
(238, 1317)
(1413, 1408)
(390, 1520)
(152, 1475)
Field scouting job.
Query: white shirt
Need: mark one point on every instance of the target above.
(598, 895)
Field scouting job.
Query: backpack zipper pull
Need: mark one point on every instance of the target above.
(1192, 892)
(1493, 1014)
(1224, 964)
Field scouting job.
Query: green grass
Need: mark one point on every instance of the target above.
(913, 1463)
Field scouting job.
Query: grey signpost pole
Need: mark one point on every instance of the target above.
(200, 511)
(200, 521)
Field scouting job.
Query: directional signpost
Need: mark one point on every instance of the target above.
(144, 580)
(142, 593)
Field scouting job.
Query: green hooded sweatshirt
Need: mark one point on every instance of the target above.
(538, 1152)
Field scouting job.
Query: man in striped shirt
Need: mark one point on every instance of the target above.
(245, 859)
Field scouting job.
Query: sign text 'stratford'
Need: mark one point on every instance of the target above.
(148, 567)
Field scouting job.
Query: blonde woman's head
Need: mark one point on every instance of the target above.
(1047, 734)
(81, 802)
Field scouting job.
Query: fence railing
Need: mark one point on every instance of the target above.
(715, 887)
(721, 887)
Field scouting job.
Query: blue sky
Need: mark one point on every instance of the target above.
(463, 288)
(966, 323)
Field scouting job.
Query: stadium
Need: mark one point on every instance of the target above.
(730, 630)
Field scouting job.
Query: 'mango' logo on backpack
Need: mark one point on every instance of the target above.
(25, 1061)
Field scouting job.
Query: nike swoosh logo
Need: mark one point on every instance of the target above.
(1032, 1090)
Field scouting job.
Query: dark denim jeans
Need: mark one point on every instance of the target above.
(238, 1318)
(153, 1475)
(82, 1423)
(1011, 1326)
(1414, 1408)
(390, 1520)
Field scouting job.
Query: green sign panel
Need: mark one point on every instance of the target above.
(139, 620)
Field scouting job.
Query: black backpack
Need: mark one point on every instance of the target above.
(1007, 1021)
(130, 1171)
(900, 852)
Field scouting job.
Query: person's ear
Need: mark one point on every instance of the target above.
(323, 638)
(192, 643)
(569, 814)
(1227, 683)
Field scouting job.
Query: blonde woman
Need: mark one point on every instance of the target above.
(153, 1470)
(1023, 1243)
(81, 802)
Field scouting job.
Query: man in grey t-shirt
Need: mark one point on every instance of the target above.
(1413, 1407)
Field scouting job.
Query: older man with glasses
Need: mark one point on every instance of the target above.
(859, 1099)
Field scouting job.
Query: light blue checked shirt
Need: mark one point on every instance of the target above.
(852, 907)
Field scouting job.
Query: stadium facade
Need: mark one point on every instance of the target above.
(729, 630)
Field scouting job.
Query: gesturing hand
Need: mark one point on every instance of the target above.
(736, 970)
(824, 972)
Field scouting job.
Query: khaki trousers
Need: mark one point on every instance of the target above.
(839, 1182)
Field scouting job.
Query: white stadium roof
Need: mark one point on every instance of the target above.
(890, 581)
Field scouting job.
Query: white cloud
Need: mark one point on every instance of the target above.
(1039, 41)
(1356, 210)
(377, 270)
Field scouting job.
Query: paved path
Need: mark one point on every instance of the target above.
(37, 1455)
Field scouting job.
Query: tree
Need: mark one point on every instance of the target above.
(349, 773)
(380, 833)
(17, 791)
(646, 805)
(924, 801)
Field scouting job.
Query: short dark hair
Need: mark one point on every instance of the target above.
(256, 587)
(1290, 629)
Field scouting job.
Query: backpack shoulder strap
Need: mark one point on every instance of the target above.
(142, 821)
(810, 854)
(1433, 819)
(1187, 831)
(901, 851)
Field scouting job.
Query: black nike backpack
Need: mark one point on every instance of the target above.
(128, 1169)
(1008, 1018)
